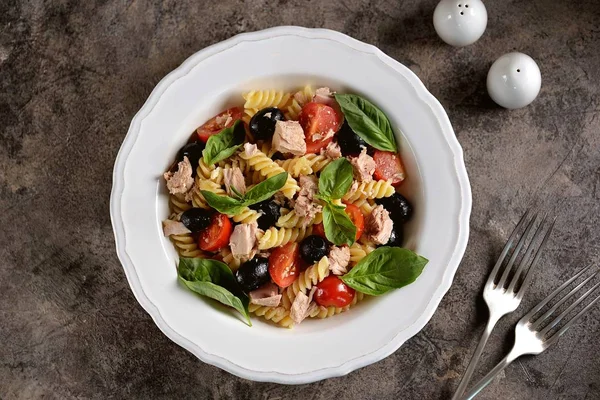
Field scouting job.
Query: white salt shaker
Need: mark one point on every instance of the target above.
(514, 80)
(460, 22)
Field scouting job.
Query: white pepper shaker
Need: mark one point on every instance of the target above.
(460, 22)
(514, 80)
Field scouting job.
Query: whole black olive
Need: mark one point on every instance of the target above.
(193, 151)
(399, 208)
(253, 274)
(313, 248)
(262, 124)
(397, 236)
(350, 143)
(271, 212)
(239, 132)
(196, 219)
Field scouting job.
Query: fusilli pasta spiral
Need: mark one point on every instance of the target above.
(358, 251)
(186, 245)
(178, 204)
(268, 168)
(204, 184)
(370, 190)
(203, 170)
(292, 220)
(274, 237)
(366, 206)
(318, 161)
(296, 166)
(258, 99)
(306, 280)
(246, 216)
(229, 259)
(278, 315)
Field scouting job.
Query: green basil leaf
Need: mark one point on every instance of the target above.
(265, 190)
(368, 121)
(213, 279)
(336, 179)
(223, 204)
(224, 144)
(339, 229)
(385, 269)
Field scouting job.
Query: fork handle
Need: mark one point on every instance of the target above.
(491, 375)
(493, 319)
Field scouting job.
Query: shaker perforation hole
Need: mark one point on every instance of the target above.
(462, 13)
(518, 69)
(466, 6)
(460, 5)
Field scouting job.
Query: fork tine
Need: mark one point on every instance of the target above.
(528, 255)
(552, 324)
(507, 247)
(570, 322)
(517, 250)
(556, 291)
(541, 319)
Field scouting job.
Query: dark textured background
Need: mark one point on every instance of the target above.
(73, 74)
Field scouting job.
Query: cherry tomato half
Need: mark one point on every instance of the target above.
(217, 234)
(388, 167)
(357, 218)
(331, 291)
(319, 230)
(318, 120)
(283, 264)
(219, 122)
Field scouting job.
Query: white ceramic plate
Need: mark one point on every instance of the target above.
(213, 79)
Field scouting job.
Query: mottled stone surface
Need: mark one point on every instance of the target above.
(73, 74)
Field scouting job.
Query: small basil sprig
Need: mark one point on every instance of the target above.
(224, 144)
(385, 269)
(335, 179)
(261, 192)
(339, 229)
(334, 182)
(214, 279)
(368, 121)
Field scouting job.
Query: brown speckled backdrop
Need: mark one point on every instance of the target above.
(73, 74)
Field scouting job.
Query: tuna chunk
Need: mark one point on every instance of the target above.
(302, 306)
(243, 240)
(289, 138)
(233, 178)
(364, 166)
(339, 257)
(378, 225)
(250, 149)
(324, 96)
(266, 295)
(332, 151)
(180, 181)
(171, 227)
(304, 206)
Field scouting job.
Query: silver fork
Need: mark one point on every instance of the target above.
(501, 300)
(531, 337)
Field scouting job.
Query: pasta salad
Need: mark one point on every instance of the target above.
(288, 207)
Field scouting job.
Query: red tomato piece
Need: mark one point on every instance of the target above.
(319, 230)
(318, 121)
(219, 122)
(283, 264)
(332, 291)
(389, 167)
(217, 234)
(357, 218)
